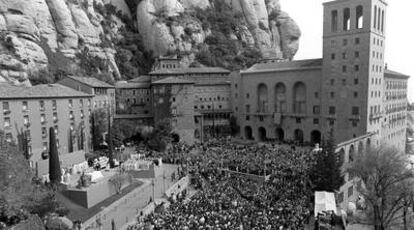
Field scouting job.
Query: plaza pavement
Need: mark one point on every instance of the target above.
(125, 209)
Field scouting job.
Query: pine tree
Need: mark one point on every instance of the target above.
(55, 174)
(326, 174)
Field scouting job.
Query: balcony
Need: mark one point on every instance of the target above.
(6, 111)
(27, 125)
(374, 116)
(354, 117)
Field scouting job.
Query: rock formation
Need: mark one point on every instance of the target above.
(32, 30)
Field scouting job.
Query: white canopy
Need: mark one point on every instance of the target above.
(325, 201)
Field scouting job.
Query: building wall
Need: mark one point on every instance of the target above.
(260, 116)
(133, 100)
(176, 102)
(355, 63)
(395, 106)
(39, 140)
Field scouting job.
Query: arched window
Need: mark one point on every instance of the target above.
(379, 19)
(262, 98)
(334, 21)
(248, 133)
(375, 17)
(298, 134)
(347, 19)
(316, 137)
(351, 154)
(382, 21)
(280, 134)
(280, 98)
(299, 98)
(359, 17)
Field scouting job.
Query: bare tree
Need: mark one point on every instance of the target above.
(388, 185)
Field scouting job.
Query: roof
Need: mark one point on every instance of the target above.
(132, 85)
(172, 80)
(39, 91)
(393, 74)
(198, 70)
(143, 78)
(277, 65)
(92, 82)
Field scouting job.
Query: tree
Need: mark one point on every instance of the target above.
(160, 136)
(99, 127)
(388, 185)
(326, 174)
(55, 173)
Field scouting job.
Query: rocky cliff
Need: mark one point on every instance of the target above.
(58, 37)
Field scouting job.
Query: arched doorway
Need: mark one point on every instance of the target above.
(368, 144)
(341, 156)
(298, 135)
(175, 138)
(262, 134)
(248, 133)
(351, 154)
(299, 98)
(315, 137)
(360, 148)
(280, 134)
(197, 134)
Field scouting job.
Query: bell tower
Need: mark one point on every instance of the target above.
(353, 67)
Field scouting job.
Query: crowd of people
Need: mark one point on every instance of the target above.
(242, 187)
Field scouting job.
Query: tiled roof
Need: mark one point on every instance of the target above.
(39, 91)
(172, 80)
(275, 65)
(201, 70)
(393, 74)
(132, 85)
(92, 82)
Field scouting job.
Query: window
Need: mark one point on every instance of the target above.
(357, 41)
(81, 102)
(298, 120)
(316, 94)
(6, 108)
(356, 81)
(331, 122)
(356, 68)
(379, 19)
(25, 107)
(44, 132)
(247, 108)
(355, 94)
(355, 110)
(54, 106)
(345, 42)
(359, 17)
(340, 197)
(333, 56)
(71, 117)
(44, 146)
(356, 54)
(354, 123)
(332, 110)
(82, 115)
(344, 69)
(316, 121)
(247, 95)
(316, 109)
(334, 21)
(70, 103)
(332, 95)
(347, 19)
(26, 121)
(375, 18)
(247, 118)
(6, 124)
(55, 117)
(42, 105)
(56, 130)
(42, 119)
(332, 81)
(344, 56)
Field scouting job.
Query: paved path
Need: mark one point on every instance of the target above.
(125, 209)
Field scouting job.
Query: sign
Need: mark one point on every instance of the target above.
(324, 201)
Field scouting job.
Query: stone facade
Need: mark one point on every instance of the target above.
(31, 111)
(345, 91)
